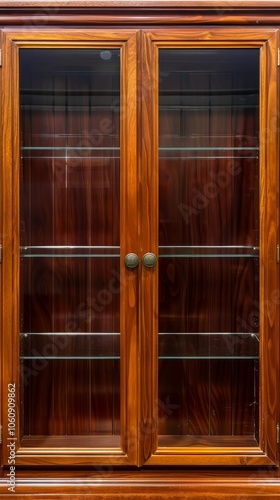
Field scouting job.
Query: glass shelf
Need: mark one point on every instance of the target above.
(209, 152)
(206, 107)
(70, 152)
(71, 148)
(67, 157)
(69, 251)
(206, 357)
(180, 92)
(208, 346)
(172, 346)
(101, 358)
(209, 251)
(70, 92)
(67, 108)
(208, 148)
(77, 345)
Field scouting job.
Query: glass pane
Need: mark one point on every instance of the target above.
(209, 244)
(70, 246)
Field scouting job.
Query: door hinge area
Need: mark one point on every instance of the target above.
(1, 57)
(0, 434)
(278, 58)
(277, 433)
(278, 254)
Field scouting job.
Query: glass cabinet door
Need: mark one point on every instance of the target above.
(209, 243)
(70, 330)
(213, 253)
(70, 242)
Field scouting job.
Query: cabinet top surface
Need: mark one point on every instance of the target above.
(184, 4)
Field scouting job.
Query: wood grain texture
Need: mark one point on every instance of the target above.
(57, 399)
(124, 13)
(10, 238)
(148, 212)
(269, 272)
(154, 485)
(130, 342)
(257, 482)
(216, 4)
(236, 230)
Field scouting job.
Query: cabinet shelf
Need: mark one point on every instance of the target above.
(69, 251)
(208, 346)
(172, 346)
(66, 108)
(70, 152)
(70, 358)
(75, 92)
(207, 107)
(209, 251)
(243, 91)
(110, 358)
(70, 346)
(210, 153)
(67, 148)
(164, 251)
(208, 148)
(210, 358)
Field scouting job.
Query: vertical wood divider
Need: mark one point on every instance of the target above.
(130, 361)
(148, 209)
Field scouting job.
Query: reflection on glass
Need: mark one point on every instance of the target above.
(70, 198)
(209, 242)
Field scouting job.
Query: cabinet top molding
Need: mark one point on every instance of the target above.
(134, 4)
(140, 13)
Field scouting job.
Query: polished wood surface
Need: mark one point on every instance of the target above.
(199, 24)
(135, 13)
(266, 214)
(59, 398)
(107, 484)
(148, 240)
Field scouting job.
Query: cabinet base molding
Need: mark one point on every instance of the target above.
(133, 486)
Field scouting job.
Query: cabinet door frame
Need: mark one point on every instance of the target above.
(266, 40)
(140, 209)
(53, 451)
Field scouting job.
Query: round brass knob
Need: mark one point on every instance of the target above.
(131, 260)
(149, 259)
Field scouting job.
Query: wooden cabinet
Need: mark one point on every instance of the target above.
(140, 250)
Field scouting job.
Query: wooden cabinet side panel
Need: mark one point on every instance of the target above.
(10, 235)
(269, 273)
